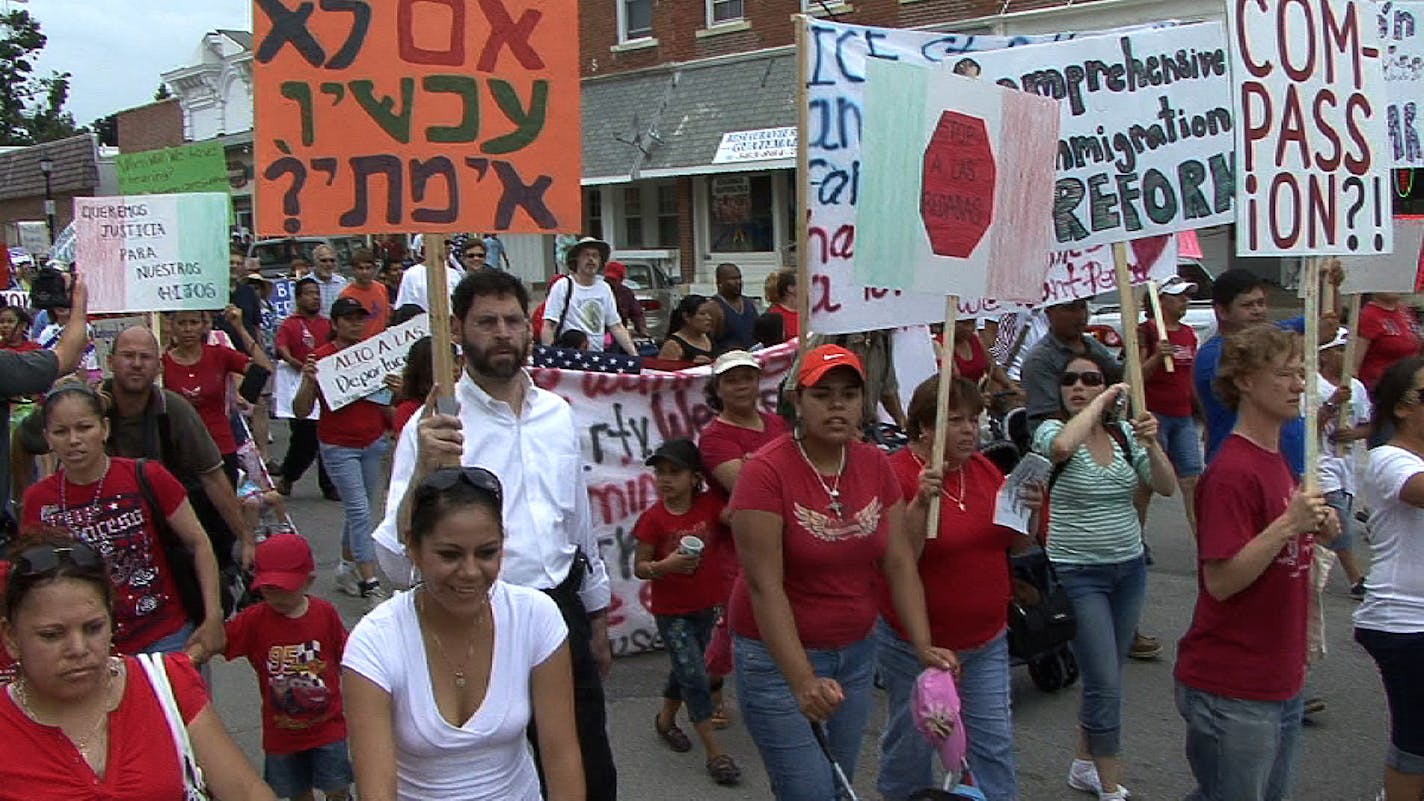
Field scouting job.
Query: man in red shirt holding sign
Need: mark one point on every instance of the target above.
(1241, 666)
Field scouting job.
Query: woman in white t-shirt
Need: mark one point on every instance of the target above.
(1390, 621)
(442, 683)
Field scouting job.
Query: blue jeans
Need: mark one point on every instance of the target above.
(907, 758)
(1107, 600)
(1344, 505)
(358, 474)
(794, 763)
(685, 637)
(1181, 439)
(173, 643)
(326, 768)
(1240, 750)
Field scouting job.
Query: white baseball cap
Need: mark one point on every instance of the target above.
(1341, 337)
(1176, 285)
(733, 359)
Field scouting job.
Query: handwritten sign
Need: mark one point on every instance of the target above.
(429, 116)
(199, 167)
(621, 420)
(1401, 26)
(1310, 128)
(1393, 272)
(762, 144)
(958, 184)
(144, 253)
(360, 370)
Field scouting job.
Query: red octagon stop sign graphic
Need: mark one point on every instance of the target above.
(957, 198)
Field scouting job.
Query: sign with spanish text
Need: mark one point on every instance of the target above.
(199, 167)
(360, 370)
(417, 116)
(763, 144)
(1311, 141)
(1401, 26)
(148, 253)
(958, 184)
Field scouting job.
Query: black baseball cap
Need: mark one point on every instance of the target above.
(343, 307)
(680, 452)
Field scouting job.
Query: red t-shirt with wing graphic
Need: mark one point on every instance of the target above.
(830, 563)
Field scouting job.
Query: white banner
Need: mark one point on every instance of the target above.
(1311, 140)
(361, 369)
(1401, 26)
(622, 419)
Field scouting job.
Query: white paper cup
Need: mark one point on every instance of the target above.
(692, 546)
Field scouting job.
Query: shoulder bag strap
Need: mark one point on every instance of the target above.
(157, 673)
(563, 315)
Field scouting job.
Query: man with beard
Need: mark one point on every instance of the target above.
(146, 422)
(735, 315)
(527, 437)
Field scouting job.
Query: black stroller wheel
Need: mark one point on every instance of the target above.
(1070, 666)
(1046, 672)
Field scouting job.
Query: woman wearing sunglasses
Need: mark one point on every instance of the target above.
(1095, 545)
(80, 723)
(100, 499)
(442, 683)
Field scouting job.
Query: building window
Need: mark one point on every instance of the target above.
(633, 218)
(668, 227)
(720, 11)
(741, 214)
(593, 212)
(635, 19)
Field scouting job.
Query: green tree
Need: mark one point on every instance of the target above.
(31, 108)
(162, 93)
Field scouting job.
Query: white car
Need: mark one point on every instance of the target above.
(1105, 321)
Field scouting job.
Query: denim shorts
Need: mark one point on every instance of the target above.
(326, 768)
(1344, 505)
(1181, 439)
(1401, 662)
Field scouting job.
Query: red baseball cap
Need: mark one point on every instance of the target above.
(283, 561)
(820, 361)
(615, 270)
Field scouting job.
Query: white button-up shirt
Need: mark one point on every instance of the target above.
(536, 455)
(330, 290)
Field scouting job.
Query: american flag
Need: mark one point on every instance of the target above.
(587, 360)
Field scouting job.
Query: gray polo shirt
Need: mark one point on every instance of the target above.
(21, 373)
(1043, 371)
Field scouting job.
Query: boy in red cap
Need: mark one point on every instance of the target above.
(294, 642)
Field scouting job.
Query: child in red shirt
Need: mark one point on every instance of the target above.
(674, 536)
(294, 642)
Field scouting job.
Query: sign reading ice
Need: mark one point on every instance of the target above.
(146, 253)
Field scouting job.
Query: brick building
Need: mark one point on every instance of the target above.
(151, 127)
(79, 167)
(665, 82)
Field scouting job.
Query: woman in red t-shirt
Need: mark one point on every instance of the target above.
(1387, 333)
(417, 378)
(100, 500)
(965, 572)
(781, 300)
(201, 373)
(353, 448)
(816, 517)
(79, 723)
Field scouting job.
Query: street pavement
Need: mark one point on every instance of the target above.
(1341, 756)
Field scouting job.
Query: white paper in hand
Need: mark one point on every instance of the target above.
(1010, 511)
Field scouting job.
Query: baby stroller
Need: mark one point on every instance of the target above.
(1041, 622)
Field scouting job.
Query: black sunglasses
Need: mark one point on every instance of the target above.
(1090, 378)
(477, 477)
(41, 559)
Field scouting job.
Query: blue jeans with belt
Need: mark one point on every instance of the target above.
(907, 758)
(1107, 601)
(794, 763)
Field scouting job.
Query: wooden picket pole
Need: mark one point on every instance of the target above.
(803, 187)
(946, 369)
(1164, 345)
(155, 323)
(438, 294)
(1311, 348)
(1130, 356)
(1347, 371)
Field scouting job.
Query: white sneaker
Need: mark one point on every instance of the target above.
(373, 596)
(1083, 776)
(346, 580)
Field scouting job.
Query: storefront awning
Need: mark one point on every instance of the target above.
(670, 121)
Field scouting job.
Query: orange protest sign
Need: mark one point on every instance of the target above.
(391, 116)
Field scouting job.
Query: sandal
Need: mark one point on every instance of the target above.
(673, 736)
(723, 770)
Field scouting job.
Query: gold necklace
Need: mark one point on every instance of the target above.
(457, 670)
(943, 489)
(96, 734)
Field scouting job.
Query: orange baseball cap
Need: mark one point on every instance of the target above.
(820, 361)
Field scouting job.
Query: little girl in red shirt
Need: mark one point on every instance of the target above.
(674, 536)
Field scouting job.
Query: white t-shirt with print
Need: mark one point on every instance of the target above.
(488, 758)
(1394, 588)
(591, 310)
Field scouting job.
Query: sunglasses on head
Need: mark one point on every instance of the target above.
(41, 559)
(1090, 378)
(477, 477)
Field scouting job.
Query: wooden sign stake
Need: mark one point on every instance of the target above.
(1311, 348)
(1130, 356)
(155, 323)
(1347, 371)
(946, 376)
(438, 286)
(803, 187)
(1163, 344)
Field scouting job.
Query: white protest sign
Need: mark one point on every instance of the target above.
(621, 420)
(34, 235)
(1391, 272)
(958, 184)
(145, 253)
(1401, 26)
(1310, 128)
(360, 370)
(762, 144)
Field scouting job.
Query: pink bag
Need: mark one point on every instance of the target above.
(719, 649)
(934, 708)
